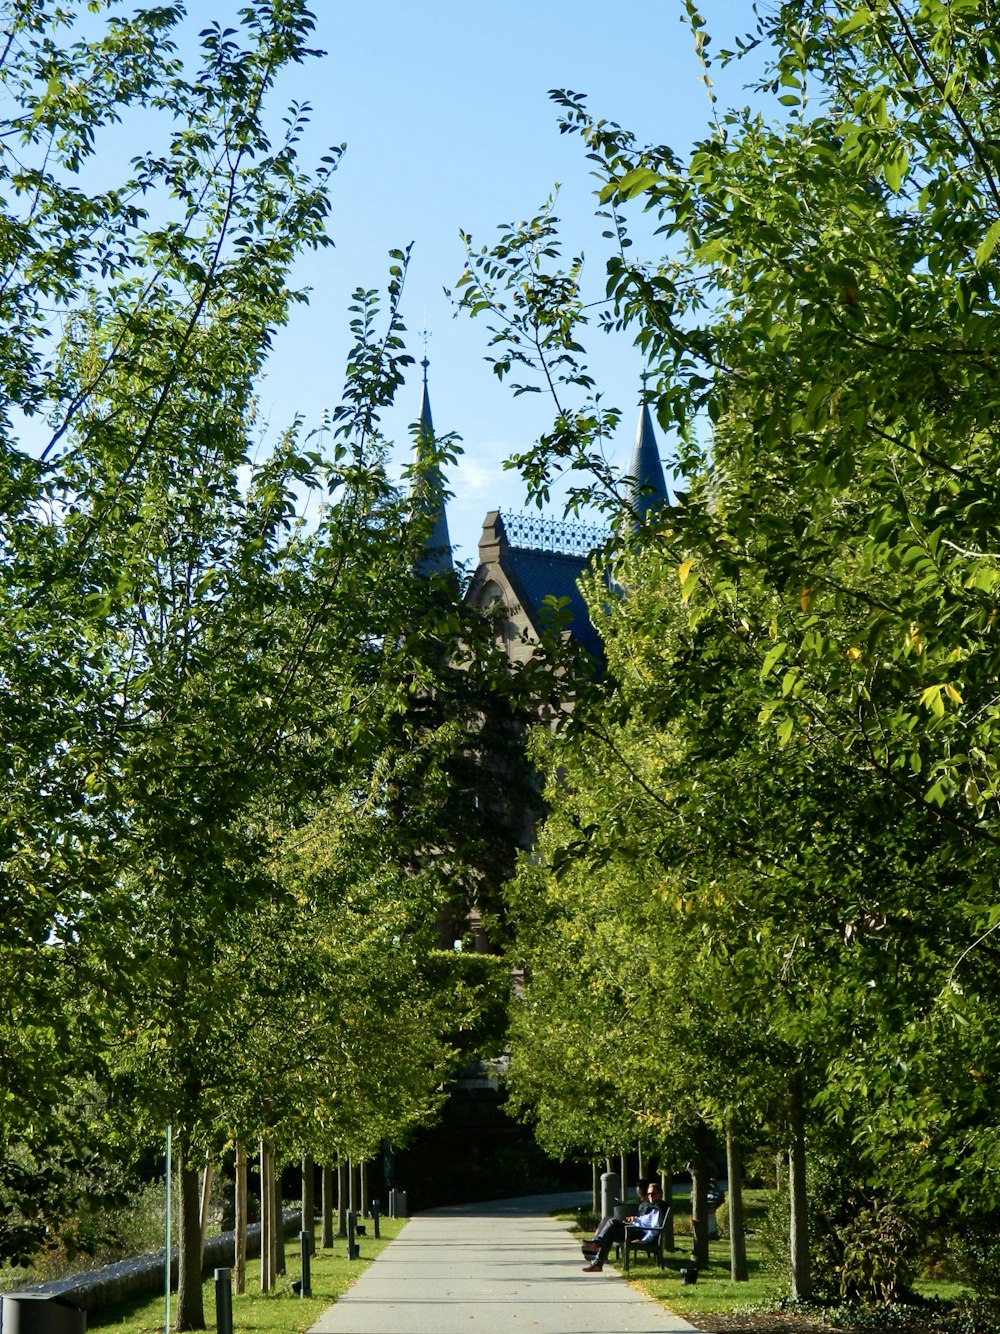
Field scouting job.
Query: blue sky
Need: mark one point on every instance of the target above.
(445, 111)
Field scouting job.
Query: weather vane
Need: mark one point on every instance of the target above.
(424, 336)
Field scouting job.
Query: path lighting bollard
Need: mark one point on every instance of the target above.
(224, 1301)
(375, 1217)
(353, 1249)
(305, 1253)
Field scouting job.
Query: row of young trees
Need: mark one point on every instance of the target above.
(765, 898)
(221, 779)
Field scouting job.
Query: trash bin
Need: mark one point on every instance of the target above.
(40, 1313)
(611, 1189)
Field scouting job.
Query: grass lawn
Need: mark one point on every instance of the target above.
(276, 1312)
(714, 1291)
(715, 1296)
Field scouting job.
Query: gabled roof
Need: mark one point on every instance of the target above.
(531, 559)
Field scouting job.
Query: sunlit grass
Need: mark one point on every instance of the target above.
(714, 1292)
(276, 1312)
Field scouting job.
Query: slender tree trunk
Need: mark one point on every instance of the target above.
(798, 1236)
(266, 1219)
(206, 1201)
(623, 1172)
(308, 1196)
(363, 1181)
(596, 1186)
(240, 1221)
(326, 1205)
(642, 1162)
(342, 1198)
(190, 1307)
(667, 1187)
(699, 1209)
(280, 1265)
(352, 1184)
(738, 1271)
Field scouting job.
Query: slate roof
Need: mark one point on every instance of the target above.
(647, 486)
(537, 575)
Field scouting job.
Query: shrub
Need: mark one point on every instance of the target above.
(877, 1245)
(863, 1246)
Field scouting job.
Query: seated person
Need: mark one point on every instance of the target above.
(645, 1225)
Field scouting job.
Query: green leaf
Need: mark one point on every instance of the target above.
(773, 655)
(986, 247)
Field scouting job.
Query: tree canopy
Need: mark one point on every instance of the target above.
(801, 685)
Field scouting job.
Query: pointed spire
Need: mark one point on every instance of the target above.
(646, 485)
(436, 555)
(426, 420)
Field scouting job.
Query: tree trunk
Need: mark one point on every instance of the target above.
(798, 1234)
(623, 1171)
(206, 1201)
(342, 1196)
(266, 1219)
(699, 1210)
(642, 1163)
(190, 1307)
(240, 1221)
(738, 1271)
(352, 1183)
(667, 1186)
(326, 1205)
(280, 1265)
(596, 1186)
(308, 1196)
(363, 1180)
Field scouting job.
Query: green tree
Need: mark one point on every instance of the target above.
(119, 397)
(817, 332)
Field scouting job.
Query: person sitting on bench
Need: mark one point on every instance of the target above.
(645, 1224)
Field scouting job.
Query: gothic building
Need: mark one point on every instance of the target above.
(525, 559)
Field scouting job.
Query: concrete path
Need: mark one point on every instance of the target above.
(492, 1269)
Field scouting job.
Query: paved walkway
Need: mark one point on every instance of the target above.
(492, 1269)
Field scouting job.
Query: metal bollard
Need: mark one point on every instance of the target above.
(375, 1217)
(224, 1301)
(353, 1249)
(305, 1252)
(611, 1189)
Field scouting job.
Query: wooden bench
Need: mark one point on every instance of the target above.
(634, 1244)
